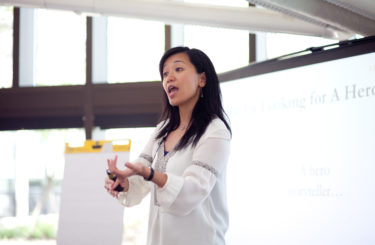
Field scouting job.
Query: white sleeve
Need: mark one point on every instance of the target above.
(138, 187)
(181, 194)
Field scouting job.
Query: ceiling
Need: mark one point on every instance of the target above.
(335, 19)
(355, 17)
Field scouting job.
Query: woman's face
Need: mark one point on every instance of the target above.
(181, 82)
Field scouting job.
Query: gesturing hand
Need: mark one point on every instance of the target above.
(136, 169)
(131, 169)
(122, 175)
(108, 185)
(112, 165)
(119, 179)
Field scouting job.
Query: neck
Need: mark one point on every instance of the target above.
(186, 110)
(185, 116)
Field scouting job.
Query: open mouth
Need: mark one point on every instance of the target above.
(172, 90)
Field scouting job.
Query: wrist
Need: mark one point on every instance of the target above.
(145, 172)
(149, 175)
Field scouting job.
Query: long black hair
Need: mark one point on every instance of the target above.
(207, 108)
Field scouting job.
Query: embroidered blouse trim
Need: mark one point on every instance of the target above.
(147, 158)
(206, 166)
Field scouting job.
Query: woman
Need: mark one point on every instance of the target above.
(184, 163)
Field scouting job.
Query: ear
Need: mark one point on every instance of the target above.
(202, 80)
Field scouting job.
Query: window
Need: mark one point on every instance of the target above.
(6, 46)
(134, 49)
(228, 49)
(60, 48)
(29, 158)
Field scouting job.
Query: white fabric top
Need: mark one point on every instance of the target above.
(191, 208)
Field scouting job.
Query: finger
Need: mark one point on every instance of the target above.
(113, 193)
(108, 186)
(116, 183)
(109, 164)
(136, 167)
(130, 169)
(129, 165)
(108, 181)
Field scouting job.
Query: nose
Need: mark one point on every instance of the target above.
(170, 77)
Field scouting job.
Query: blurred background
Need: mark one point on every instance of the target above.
(68, 75)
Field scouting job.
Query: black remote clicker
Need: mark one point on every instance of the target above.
(113, 177)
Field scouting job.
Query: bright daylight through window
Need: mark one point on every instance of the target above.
(60, 48)
(6, 46)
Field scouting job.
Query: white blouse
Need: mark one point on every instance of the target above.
(191, 208)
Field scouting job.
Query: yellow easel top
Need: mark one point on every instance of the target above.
(97, 146)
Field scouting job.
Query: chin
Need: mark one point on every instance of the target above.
(173, 103)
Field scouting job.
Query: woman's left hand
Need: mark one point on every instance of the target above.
(131, 168)
(136, 169)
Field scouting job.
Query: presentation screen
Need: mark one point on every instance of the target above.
(302, 163)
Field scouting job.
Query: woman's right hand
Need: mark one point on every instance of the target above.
(108, 183)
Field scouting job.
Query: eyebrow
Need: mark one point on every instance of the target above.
(176, 61)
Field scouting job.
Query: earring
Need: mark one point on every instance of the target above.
(202, 93)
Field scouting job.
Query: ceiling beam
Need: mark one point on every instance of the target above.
(308, 57)
(324, 13)
(361, 7)
(113, 105)
(170, 12)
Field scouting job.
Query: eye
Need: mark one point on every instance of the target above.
(165, 74)
(179, 69)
